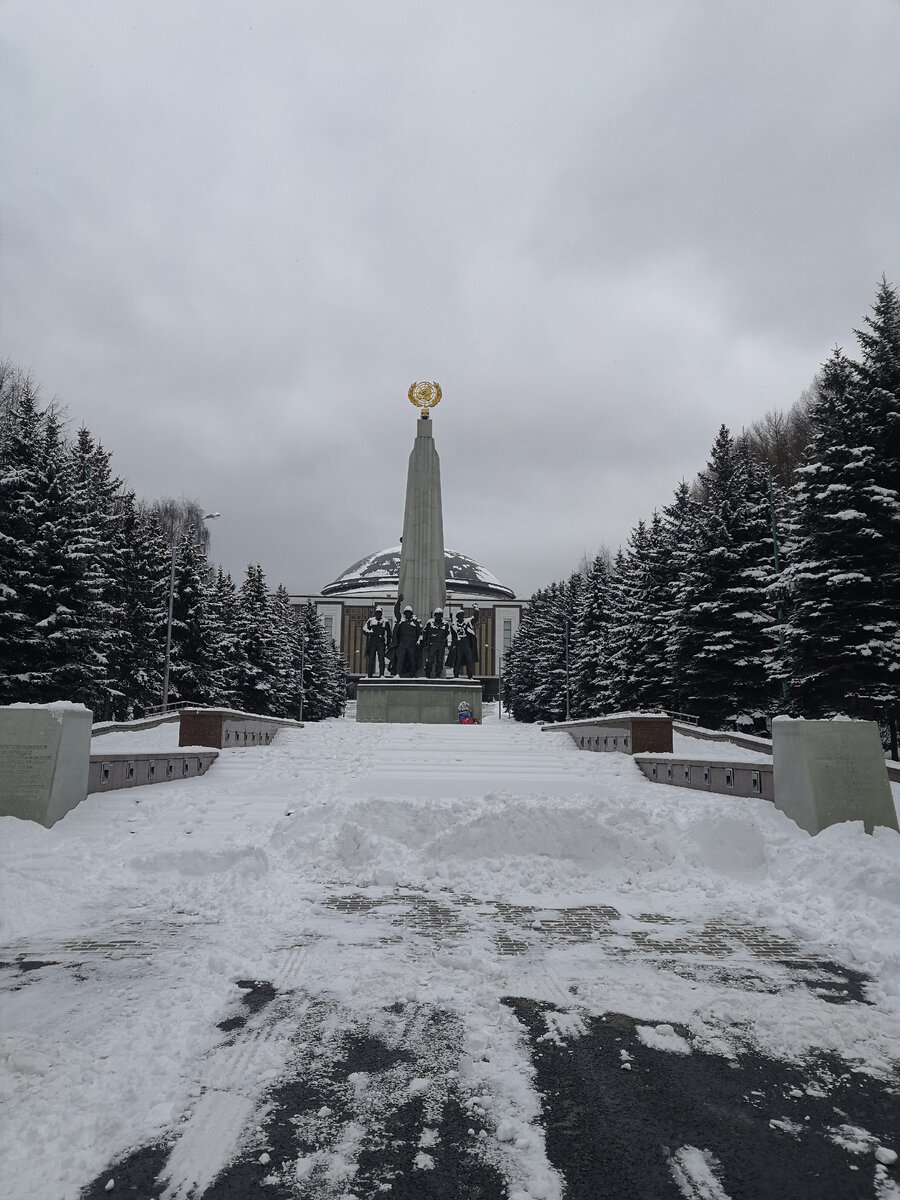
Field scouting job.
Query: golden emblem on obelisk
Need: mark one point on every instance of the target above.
(424, 395)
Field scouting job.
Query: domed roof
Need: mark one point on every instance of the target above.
(380, 573)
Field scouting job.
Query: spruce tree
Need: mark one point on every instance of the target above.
(626, 669)
(189, 654)
(638, 663)
(723, 625)
(227, 662)
(879, 399)
(258, 683)
(144, 599)
(22, 510)
(590, 691)
(534, 687)
(98, 545)
(322, 675)
(678, 520)
(842, 635)
(521, 665)
(68, 661)
(286, 634)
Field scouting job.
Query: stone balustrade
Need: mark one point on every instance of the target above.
(111, 771)
(732, 778)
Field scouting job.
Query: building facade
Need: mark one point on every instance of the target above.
(347, 603)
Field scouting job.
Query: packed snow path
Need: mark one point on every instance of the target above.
(426, 961)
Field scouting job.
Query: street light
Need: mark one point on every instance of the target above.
(165, 695)
(302, 663)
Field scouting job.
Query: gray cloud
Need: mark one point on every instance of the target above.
(233, 235)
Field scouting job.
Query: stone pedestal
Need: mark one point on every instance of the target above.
(416, 701)
(45, 755)
(831, 771)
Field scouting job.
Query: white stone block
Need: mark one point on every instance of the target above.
(45, 756)
(831, 771)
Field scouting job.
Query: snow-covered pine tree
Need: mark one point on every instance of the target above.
(722, 629)
(557, 648)
(98, 543)
(534, 687)
(844, 579)
(335, 696)
(258, 684)
(614, 616)
(323, 695)
(68, 660)
(30, 460)
(590, 692)
(678, 519)
(145, 561)
(625, 635)
(638, 662)
(23, 451)
(520, 662)
(189, 681)
(285, 633)
(879, 399)
(226, 661)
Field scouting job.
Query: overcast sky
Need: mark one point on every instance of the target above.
(234, 233)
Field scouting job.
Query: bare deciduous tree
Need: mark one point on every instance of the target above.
(175, 516)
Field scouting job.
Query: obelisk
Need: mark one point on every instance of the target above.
(422, 571)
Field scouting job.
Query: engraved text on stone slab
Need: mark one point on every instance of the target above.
(27, 769)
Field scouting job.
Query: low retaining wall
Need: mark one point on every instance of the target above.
(729, 778)
(108, 772)
(749, 741)
(226, 729)
(140, 723)
(625, 733)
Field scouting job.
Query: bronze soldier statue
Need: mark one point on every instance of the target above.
(406, 639)
(435, 639)
(378, 637)
(464, 648)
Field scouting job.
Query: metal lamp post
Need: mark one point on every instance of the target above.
(302, 662)
(165, 695)
(784, 686)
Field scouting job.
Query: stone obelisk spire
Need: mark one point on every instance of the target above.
(422, 571)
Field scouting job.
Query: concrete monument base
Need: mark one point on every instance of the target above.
(831, 771)
(45, 755)
(416, 701)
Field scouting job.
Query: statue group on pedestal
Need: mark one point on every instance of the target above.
(409, 648)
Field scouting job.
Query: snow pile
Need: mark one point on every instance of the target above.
(368, 870)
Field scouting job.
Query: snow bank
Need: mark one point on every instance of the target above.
(322, 863)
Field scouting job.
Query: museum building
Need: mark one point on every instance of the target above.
(346, 604)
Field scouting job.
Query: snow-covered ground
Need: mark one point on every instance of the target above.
(170, 951)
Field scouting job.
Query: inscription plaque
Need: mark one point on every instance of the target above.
(44, 760)
(831, 771)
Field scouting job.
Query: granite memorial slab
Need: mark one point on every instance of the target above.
(831, 771)
(416, 701)
(45, 754)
